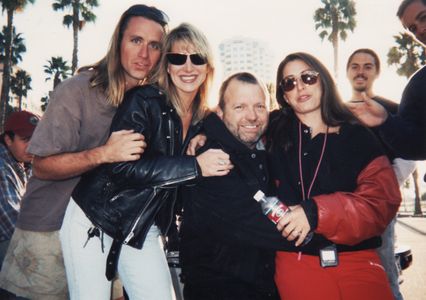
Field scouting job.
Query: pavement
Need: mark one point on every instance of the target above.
(411, 231)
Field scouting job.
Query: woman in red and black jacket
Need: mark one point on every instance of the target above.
(339, 184)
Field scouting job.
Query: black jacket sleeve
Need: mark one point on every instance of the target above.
(145, 111)
(405, 132)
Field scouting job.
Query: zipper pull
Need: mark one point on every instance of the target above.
(128, 238)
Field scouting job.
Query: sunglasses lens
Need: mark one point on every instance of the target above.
(309, 78)
(176, 58)
(288, 84)
(197, 59)
(180, 59)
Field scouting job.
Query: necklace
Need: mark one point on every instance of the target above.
(304, 196)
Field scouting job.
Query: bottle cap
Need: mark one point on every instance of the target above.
(259, 195)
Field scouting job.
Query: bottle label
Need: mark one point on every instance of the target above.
(277, 211)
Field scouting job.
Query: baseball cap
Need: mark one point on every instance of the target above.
(21, 123)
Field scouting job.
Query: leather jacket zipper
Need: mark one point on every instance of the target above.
(135, 223)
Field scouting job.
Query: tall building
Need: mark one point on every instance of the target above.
(246, 54)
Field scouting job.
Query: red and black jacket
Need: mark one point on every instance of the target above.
(355, 194)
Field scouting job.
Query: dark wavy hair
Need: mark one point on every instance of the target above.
(333, 110)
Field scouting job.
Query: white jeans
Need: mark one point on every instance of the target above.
(144, 273)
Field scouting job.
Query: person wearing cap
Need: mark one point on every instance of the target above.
(70, 140)
(14, 171)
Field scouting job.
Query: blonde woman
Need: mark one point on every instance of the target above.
(129, 205)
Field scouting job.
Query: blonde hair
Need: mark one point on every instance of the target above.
(109, 73)
(189, 34)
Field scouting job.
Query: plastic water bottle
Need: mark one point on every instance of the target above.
(274, 209)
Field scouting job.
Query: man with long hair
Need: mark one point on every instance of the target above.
(69, 140)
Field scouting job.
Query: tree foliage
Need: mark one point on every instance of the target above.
(408, 55)
(18, 46)
(57, 70)
(333, 21)
(80, 12)
(10, 7)
(44, 102)
(20, 84)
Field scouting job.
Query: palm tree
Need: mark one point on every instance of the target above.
(417, 205)
(334, 19)
(57, 69)
(18, 46)
(81, 13)
(44, 101)
(408, 56)
(10, 6)
(20, 84)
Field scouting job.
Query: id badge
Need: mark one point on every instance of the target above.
(329, 257)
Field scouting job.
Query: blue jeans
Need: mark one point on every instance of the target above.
(387, 255)
(143, 272)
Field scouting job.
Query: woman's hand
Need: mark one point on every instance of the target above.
(214, 162)
(294, 225)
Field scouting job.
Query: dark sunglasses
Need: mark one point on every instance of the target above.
(180, 59)
(308, 77)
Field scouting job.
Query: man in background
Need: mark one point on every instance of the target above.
(14, 171)
(362, 70)
(405, 131)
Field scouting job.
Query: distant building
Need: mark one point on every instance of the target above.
(246, 54)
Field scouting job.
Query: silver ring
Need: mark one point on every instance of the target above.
(221, 162)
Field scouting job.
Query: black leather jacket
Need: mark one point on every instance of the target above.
(125, 199)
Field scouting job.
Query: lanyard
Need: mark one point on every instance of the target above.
(300, 163)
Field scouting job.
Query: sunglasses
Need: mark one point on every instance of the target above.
(308, 77)
(180, 59)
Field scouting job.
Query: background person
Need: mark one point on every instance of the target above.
(404, 132)
(340, 185)
(69, 140)
(131, 204)
(14, 171)
(362, 70)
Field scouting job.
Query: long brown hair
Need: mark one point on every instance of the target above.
(333, 110)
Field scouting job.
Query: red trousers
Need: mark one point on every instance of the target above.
(359, 276)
